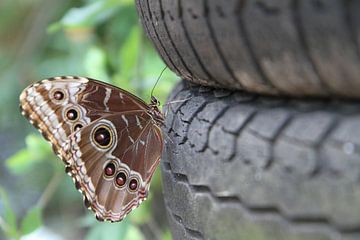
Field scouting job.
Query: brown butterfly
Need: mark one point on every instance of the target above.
(109, 139)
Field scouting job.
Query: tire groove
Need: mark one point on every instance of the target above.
(242, 29)
(190, 232)
(188, 39)
(207, 146)
(216, 44)
(147, 30)
(350, 26)
(320, 163)
(170, 109)
(157, 39)
(194, 115)
(241, 129)
(141, 12)
(297, 20)
(185, 138)
(172, 41)
(295, 221)
(275, 139)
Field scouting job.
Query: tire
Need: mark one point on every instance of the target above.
(240, 166)
(295, 48)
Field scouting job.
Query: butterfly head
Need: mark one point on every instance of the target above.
(155, 112)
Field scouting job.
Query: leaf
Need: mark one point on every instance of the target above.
(19, 162)
(167, 235)
(153, 65)
(134, 233)
(95, 64)
(156, 182)
(102, 231)
(31, 221)
(78, 17)
(142, 214)
(87, 16)
(9, 215)
(116, 32)
(129, 54)
(36, 150)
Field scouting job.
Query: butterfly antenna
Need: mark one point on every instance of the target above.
(152, 91)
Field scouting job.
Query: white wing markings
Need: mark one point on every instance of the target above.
(138, 122)
(125, 120)
(107, 97)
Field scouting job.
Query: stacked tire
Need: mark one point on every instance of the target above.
(264, 130)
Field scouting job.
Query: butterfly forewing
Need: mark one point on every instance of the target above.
(110, 140)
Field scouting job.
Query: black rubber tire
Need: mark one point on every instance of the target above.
(296, 48)
(243, 167)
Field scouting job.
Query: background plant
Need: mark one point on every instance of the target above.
(101, 39)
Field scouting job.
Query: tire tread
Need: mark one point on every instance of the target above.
(289, 48)
(268, 144)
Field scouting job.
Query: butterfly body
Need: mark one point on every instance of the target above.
(109, 139)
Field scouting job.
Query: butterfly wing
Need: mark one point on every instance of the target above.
(114, 171)
(68, 112)
(61, 105)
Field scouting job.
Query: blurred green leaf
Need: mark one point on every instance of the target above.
(103, 230)
(19, 161)
(167, 235)
(37, 149)
(134, 233)
(89, 15)
(100, 39)
(156, 181)
(125, 2)
(129, 54)
(87, 220)
(95, 64)
(142, 214)
(153, 65)
(118, 29)
(31, 221)
(10, 226)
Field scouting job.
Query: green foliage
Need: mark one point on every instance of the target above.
(102, 231)
(134, 233)
(101, 39)
(129, 54)
(36, 150)
(167, 235)
(32, 220)
(88, 15)
(142, 214)
(8, 221)
(95, 64)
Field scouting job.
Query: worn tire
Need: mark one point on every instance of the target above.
(239, 166)
(297, 48)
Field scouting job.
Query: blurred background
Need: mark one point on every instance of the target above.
(101, 39)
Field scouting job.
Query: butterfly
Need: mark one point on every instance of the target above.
(109, 140)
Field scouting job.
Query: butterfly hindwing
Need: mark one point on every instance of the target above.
(126, 149)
